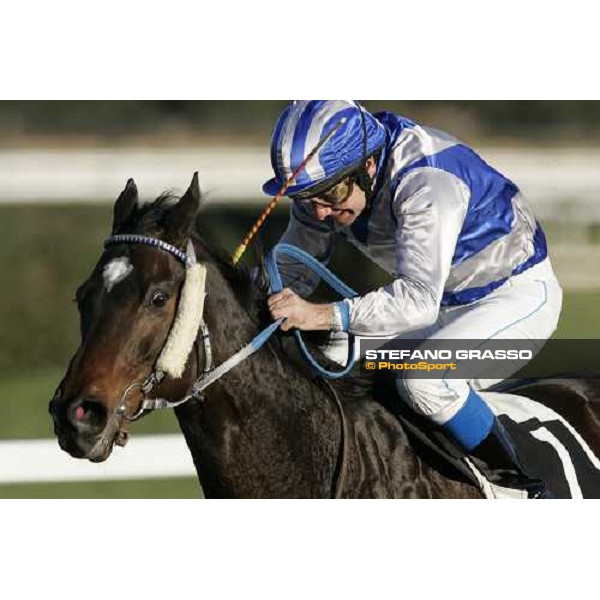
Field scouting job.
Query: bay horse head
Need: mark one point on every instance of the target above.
(127, 308)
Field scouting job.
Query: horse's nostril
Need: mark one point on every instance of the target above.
(87, 414)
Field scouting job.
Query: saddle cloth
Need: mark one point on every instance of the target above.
(548, 445)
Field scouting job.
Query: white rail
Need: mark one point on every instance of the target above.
(560, 182)
(99, 175)
(144, 457)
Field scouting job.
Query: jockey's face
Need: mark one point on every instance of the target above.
(352, 203)
(344, 213)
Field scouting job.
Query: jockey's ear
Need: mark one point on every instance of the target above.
(125, 205)
(179, 220)
(371, 166)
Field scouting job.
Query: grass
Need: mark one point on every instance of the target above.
(580, 318)
(185, 487)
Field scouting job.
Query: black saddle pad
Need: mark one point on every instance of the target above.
(548, 445)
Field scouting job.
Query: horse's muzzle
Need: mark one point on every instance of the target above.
(78, 425)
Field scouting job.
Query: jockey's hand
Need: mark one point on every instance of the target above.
(298, 313)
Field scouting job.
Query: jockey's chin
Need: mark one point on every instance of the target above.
(344, 213)
(345, 217)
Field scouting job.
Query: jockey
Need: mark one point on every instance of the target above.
(467, 257)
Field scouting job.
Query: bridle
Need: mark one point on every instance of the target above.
(152, 381)
(119, 416)
(209, 373)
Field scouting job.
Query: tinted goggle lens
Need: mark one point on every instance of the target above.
(340, 192)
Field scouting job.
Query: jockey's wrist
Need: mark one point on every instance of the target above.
(340, 316)
(322, 317)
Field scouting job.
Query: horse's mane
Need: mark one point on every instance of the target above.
(148, 218)
(248, 290)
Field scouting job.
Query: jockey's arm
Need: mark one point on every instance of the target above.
(430, 207)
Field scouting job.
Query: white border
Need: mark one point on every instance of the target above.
(439, 50)
(129, 49)
(297, 549)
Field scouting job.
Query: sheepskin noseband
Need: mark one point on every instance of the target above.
(179, 344)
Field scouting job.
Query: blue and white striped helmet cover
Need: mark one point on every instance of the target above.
(300, 128)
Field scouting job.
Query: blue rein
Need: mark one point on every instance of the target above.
(277, 285)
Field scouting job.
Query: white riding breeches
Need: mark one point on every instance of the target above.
(527, 306)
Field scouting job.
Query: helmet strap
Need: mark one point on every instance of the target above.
(363, 179)
(365, 183)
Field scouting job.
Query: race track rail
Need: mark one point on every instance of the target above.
(144, 457)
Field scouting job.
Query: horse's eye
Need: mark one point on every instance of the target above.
(159, 299)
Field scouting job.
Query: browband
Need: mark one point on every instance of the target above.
(131, 238)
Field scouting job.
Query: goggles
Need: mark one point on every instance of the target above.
(336, 194)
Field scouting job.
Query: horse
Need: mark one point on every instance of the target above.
(267, 428)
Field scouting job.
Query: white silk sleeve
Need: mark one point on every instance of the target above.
(430, 206)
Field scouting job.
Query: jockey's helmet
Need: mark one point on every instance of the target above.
(300, 128)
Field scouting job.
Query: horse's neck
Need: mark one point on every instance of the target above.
(264, 429)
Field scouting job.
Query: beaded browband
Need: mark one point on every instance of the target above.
(131, 238)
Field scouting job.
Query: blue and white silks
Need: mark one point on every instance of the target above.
(449, 228)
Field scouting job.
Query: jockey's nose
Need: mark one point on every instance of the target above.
(87, 415)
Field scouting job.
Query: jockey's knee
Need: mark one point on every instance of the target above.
(436, 399)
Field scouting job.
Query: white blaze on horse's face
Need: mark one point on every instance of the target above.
(115, 271)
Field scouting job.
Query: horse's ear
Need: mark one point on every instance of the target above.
(125, 205)
(179, 220)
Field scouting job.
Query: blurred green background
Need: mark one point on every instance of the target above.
(514, 121)
(48, 249)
